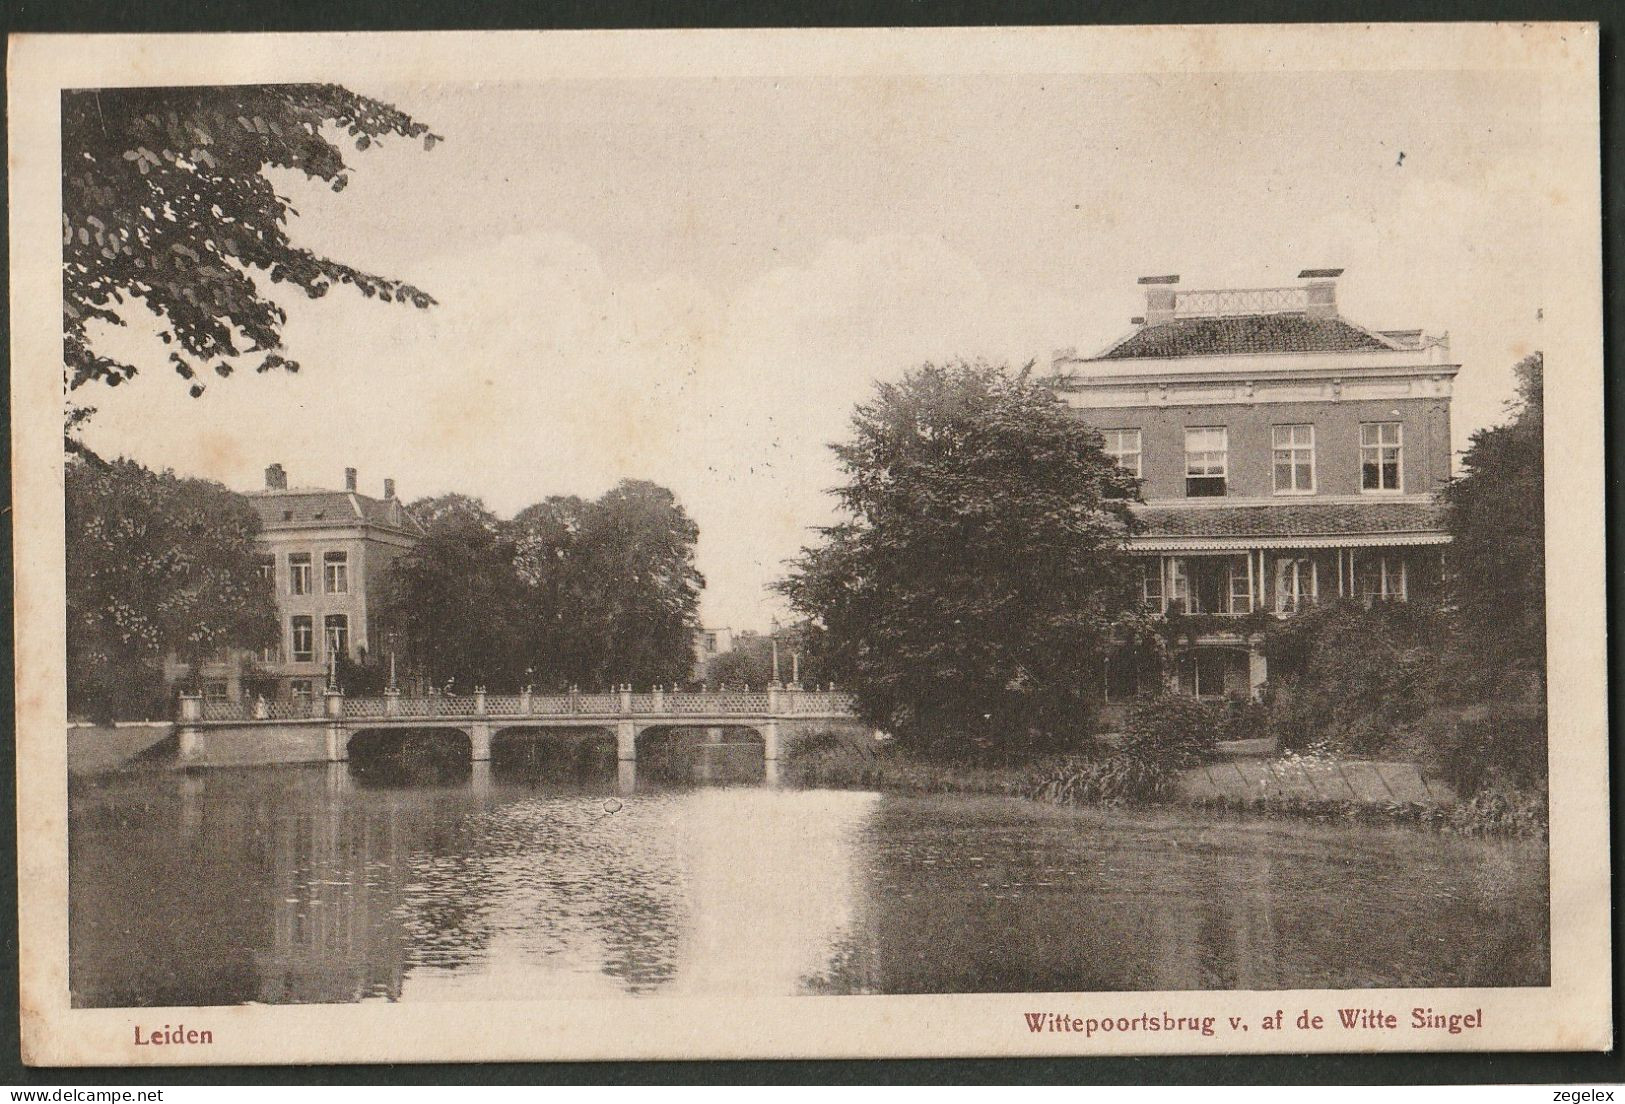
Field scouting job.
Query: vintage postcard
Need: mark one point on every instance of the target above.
(809, 543)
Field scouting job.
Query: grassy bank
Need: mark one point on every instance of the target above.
(1121, 780)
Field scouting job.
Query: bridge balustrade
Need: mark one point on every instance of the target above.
(820, 701)
(712, 703)
(365, 707)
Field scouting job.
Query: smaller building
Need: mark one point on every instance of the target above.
(710, 642)
(324, 554)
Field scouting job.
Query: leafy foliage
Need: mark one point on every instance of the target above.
(1353, 677)
(613, 590)
(156, 565)
(982, 566)
(165, 199)
(1177, 730)
(1485, 747)
(1126, 778)
(454, 600)
(1497, 554)
(570, 592)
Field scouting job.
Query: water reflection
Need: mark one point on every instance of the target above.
(522, 880)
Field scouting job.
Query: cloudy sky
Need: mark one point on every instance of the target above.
(693, 280)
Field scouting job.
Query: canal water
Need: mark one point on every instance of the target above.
(330, 884)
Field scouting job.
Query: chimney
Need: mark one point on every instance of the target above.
(349, 479)
(1159, 298)
(389, 489)
(275, 478)
(1322, 289)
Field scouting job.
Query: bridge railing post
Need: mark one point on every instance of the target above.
(392, 701)
(625, 691)
(659, 695)
(773, 690)
(479, 700)
(333, 699)
(187, 734)
(524, 699)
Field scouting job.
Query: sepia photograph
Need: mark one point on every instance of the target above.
(662, 522)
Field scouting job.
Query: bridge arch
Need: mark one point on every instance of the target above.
(735, 751)
(410, 755)
(579, 751)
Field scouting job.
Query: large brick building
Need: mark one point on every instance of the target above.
(323, 553)
(1287, 455)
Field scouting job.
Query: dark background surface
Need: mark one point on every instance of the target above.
(83, 16)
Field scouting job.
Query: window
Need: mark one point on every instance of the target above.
(1123, 446)
(301, 688)
(214, 691)
(710, 642)
(1207, 454)
(1151, 585)
(304, 639)
(336, 572)
(1179, 587)
(1241, 587)
(1294, 459)
(271, 653)
(1382, 579)
(1216, 584)
(1201, 672)
(299, 573)
(337, 628)
(268, 571)
(1296, 585)
(1380, 446)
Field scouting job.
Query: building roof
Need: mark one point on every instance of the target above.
(1247, 333)
(1413, 521)
(312, 506)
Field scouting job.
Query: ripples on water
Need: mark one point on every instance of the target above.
(319, 885)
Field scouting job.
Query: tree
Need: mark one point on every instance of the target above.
(1497, 554)
(431, 510)
(165, 200)
(614, 593)
(456, 601)
(570, 592)
(156, 566)
(982, 569)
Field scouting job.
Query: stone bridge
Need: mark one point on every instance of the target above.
(319, 729)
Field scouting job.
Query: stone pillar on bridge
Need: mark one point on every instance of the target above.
(187, 730)
(659, 695)
(624, 693)
(392, 701)
(524, 699)
(626, 741)
(479, 699)
(338, 737)
(479, 741)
